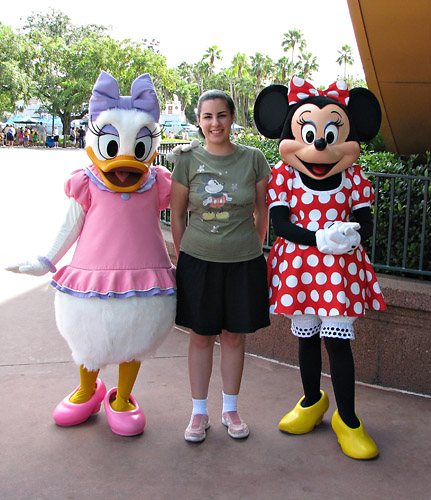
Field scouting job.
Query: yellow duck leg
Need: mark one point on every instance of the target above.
(87, 386)
(127, 373)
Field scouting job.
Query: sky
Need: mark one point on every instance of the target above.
(186, 30)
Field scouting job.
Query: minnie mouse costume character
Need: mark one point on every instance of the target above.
(116, 300)
(319, 274)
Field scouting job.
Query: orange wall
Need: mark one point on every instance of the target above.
(394, 40)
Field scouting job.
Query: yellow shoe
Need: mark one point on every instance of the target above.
(302, 420)
(355, 443)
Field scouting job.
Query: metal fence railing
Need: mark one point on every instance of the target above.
(401, 240)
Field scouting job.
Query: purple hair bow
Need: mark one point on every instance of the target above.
(106, 95)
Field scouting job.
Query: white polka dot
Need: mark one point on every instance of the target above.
(281, 250)
(369, 276)
(340, 197)
(376, 287)
(376, 305)
(328, 260)
(290, 247)
(272, 309)
(341, 297)
(286, 300)
(324, 198)
(272, 194)
(357, 179)
(353, 269)
(367, 192)
(292, 281)
(293, 218)
(306, 278)
(274, 262)
(322, 312)
(334, 312)
(293, 201)
(348, 184)
(297, 262)
(355, 195)
(312, 260)
(321, 278)
(314, 295)
(275, 281)
(335, 278)
(301, 214)
(361, 275)
(301, 297)
(331, 214)
(289, 184)
(358, 255)
(282, 267)
(280, 180)
(358, 308)
(313, 226)
(307, 198)
(355, 288)
(310, 310)
(328, 296)
(314, 215)
(270, 292)
(342, 262)
(282, 196)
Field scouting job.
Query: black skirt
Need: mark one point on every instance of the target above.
(213, 296)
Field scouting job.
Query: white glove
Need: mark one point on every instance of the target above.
(66, 237)
(174, 154)
(339, 238)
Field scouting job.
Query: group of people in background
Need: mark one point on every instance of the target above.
(37, 135)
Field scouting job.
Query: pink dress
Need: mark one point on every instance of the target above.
(120, 252)
(303, 280)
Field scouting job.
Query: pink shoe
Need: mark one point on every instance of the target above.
(196, 430)
(67, 414)
(124, 423)
(236, 427)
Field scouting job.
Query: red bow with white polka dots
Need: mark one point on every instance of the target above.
(300, 89)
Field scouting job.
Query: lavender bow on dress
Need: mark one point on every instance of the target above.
(106, 95)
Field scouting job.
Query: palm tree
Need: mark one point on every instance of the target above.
(211, 55)
(345, 58)
(261, 66)
(292, 39)
(239, 63)
(283, 70)
(307, 64)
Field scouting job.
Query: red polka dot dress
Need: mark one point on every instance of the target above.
(303, 280)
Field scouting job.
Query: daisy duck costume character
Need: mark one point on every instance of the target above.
(116, 300)
(319, 273)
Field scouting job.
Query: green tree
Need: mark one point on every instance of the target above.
(345, 57)
(211, 55)
(261, 67)
(292, 39)
(14, 57)
(306, 65)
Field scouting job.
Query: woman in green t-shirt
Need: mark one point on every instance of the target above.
(221, 271)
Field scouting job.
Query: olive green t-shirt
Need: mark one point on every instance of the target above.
(222, 193)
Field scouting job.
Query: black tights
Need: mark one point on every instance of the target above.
(342, 374)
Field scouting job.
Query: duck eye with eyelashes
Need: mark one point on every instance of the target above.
(109, 144)
(143, 147)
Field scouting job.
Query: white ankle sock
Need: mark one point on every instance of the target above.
(200, 406)
(230, 402)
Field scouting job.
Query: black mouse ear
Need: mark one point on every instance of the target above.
(270, 110)
(365, 112)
